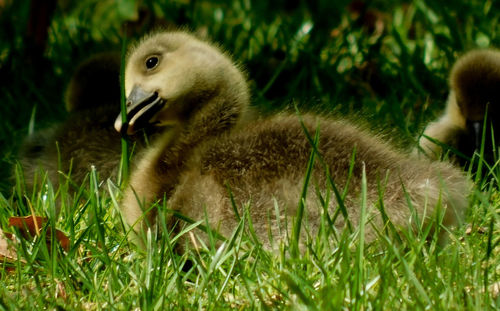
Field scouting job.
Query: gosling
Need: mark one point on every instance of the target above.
(210, 155)
(472, 103)
(87, 137)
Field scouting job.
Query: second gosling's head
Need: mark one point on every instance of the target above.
(475, 82)
(95, 83)
(475, 88)
(169, 75)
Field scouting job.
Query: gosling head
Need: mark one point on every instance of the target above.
(475, 86)
(169, 75)
(475, 83)
(95, 83)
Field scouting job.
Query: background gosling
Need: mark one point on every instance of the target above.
(87, 137)
(474, 83)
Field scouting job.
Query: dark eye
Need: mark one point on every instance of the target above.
(152, 62)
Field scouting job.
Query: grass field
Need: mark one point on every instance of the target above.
(384, 64)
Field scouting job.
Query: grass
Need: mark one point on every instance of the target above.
(319, 56)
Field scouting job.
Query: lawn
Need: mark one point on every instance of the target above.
(383, 64)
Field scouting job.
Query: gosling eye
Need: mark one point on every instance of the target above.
(152, 62)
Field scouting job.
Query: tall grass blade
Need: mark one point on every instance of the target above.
(360, 262)
(338, 196)
(302, 203)
(481, 160)
(123, 172)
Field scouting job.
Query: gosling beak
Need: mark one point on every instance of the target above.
(477, 127)
(142, 106)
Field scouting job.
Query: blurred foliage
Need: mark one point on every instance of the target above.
(385, 61)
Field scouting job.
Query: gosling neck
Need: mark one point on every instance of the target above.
(216, 117)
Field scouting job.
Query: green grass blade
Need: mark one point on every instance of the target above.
(302, 202)
(123, 173)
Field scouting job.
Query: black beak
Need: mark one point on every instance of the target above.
(477, 128)
(141, 107)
